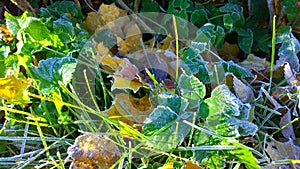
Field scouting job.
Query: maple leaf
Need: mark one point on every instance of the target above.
(14, 90)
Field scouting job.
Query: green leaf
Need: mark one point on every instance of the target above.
(198, 17)
(173, 101)
(52, 70)
(237, 70)
(12, 23)
(245, 39)
(39, 33)
(291, 9)
(244, 155)
(150, 6)
(159, 118)
(231, 7)
(227, 114)
(289, 48)
(60, 9)
(166, 128)
(4, 52)
(192, 89)
(211, 159)
(216, 34)
(64, 29)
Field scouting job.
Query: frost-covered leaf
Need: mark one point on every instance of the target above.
(215, 34)
(237, 70)
(283, 151)
(256, 63)
(49, 72)
(173, 101)
(288, 131)
(242, 91)
(92, 150)
(166, 128)
(289, 49)
(159, 118)
(227, 114)
(192, 89)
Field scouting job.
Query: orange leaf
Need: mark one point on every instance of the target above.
(129, 109)
(93, 151)
(5, 34)
(14, 90)
(191, 165)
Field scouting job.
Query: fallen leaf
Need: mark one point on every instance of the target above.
(229, 51)
(290, 75)
(288, 131)
(106, 14)
(242, 91)
(14, 90)
(5, 34)
(168, 165)
(129, 109)
(192, 165)
(111, 12)
(254, 62)
(93, 151)
(132, 41)
(122, 83)
(284, 151)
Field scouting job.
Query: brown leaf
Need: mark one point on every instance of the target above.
(191, 165)
(229, 51)
(242, 91)
(287, 132)
(106, 14)
(93, 151)
(254, 62)
(111, 12)
(284, 151)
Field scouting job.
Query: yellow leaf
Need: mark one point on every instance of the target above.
(168, 165)
(122, 83)
(111, 12)
(14, 90)
(130, 110)
(5, 34)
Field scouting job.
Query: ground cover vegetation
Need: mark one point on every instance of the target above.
(149, 84)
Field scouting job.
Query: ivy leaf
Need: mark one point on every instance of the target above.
(215, 33)
(52, 70)
(245, 39)
(198, 17)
